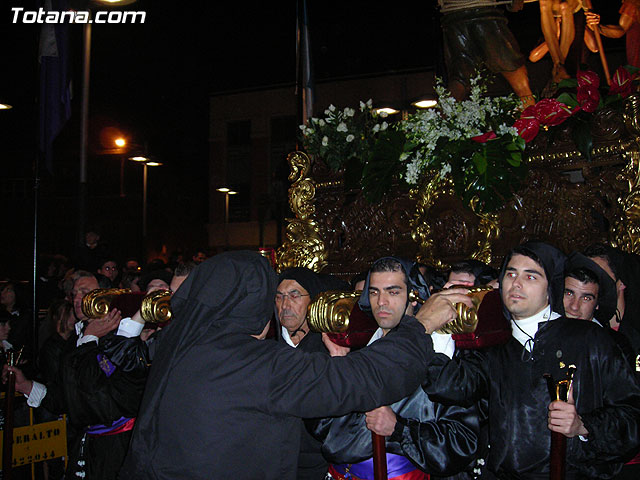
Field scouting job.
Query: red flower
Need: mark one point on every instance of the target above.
(484, 138)
(621, 83)
(550, 111)
(588, 78)
(588, 97)
(528, 128)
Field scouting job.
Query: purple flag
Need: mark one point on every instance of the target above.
(55, 82)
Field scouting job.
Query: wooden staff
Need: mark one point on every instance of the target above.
(379, 457)
(587, 7)
(558, 452)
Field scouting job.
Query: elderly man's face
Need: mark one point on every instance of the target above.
(524, 287)
(292, 301)
(580, 298)
(81, 287)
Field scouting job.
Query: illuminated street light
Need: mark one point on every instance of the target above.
(387, 110)
(227, 191)
(425, 103)
(120, 142)
(5, 106)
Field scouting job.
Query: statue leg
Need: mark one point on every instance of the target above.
(519, 81)
(458, 90)
(568, 30)
(550, 32)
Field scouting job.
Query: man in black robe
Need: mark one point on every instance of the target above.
(421, 436)
(297, 287)
(100, 399)
(222, 403)
(601, 420)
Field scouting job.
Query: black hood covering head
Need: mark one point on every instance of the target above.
(552, 261)
(607, 294)
(417, 282)
(308, 279)
(627, 269)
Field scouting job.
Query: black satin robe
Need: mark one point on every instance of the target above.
(221, 404)
(441, 440)
(90, 397)
(606, 394)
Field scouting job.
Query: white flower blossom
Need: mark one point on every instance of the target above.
(369, 103)
(446, 168)
(376, 128)
(384, 126)
(349, 112)
(362, 106)
(384, 114)
(342, 127)
(349, 138)
(325, 141)
(321, 123)
(332, 108)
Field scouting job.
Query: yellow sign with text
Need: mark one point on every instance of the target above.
(36, 443)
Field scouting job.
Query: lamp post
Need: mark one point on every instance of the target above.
(227, 191)
(121, 143)
(146, 162)
(84, 116)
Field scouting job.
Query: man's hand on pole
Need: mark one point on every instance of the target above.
(440, 308)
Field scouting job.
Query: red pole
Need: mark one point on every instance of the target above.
(379, 457)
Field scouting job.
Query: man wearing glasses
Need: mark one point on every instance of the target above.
(295, 292)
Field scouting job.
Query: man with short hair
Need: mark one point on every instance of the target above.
(589, 293)
(601, 418)
(215, 382)
(422, 436)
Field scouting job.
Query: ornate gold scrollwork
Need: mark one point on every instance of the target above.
(489, 230)
(422, 223)
(434, 187)
(303, 246)
(626, 228)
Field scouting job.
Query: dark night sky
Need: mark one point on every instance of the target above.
(153, 80)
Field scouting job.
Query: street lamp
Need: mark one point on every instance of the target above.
(146, 162)
(227, 191)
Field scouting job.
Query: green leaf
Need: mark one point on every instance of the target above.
(480, 162)
(581, 134)
(568, 83)
(515, 159)
(382, 165)
(568, 99)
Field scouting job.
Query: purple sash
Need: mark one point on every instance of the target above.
(396, 465)
(104, 430)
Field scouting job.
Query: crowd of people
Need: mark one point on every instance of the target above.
(239, 385)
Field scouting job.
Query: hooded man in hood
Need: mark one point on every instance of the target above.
(601, 419)
(422, 437)
(222, 403)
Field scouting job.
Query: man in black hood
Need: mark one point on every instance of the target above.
(422, 437)
(221, 403)
(297, 288)
(601, 420)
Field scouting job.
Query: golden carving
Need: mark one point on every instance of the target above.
(303, 246)
(565, 199)
(330, 311)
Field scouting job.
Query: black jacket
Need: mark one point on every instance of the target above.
(438, 439)
(606, 395)
(221, 404)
